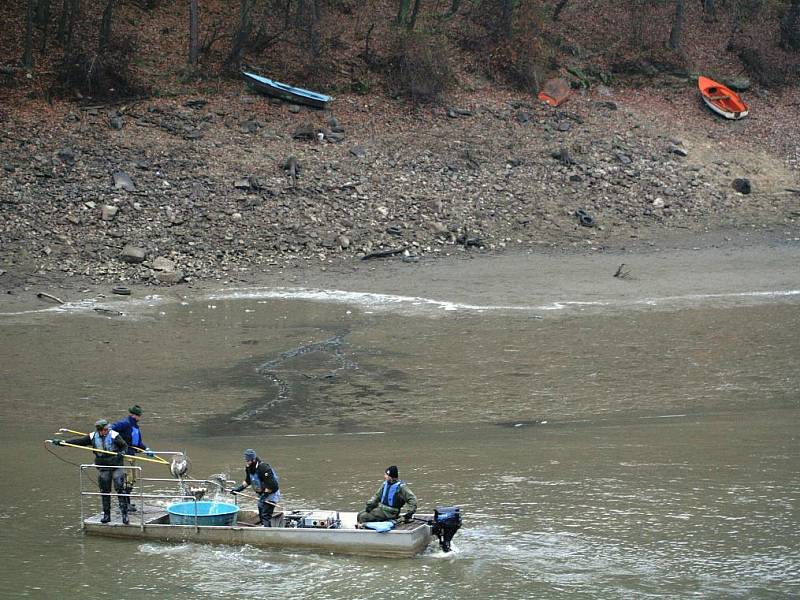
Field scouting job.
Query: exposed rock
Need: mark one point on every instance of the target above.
(742, 186)
(306, 131)
(123, 182)
(132, 254)
(67, 155)
(250, 127)
(162, 264)
(170, 277)
(679, 151)
(108, 212)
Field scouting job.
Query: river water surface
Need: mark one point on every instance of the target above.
(640, 449)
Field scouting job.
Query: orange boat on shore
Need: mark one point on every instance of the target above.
(721, 99)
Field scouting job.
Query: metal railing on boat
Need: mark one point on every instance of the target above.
(141, 495)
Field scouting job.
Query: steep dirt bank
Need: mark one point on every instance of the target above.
(193, 189)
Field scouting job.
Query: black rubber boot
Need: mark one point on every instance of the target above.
(125, 519)
(131, 505)
(106, 518)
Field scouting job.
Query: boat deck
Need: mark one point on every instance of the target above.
(154, 515)
(153, 523)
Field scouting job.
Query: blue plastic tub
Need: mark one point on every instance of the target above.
(208, 513)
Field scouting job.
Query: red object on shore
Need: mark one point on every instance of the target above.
(721, 99)
(555, 92)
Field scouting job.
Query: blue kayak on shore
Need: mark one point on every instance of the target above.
(286, 92)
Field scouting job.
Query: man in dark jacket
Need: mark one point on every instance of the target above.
(109, 441)
(129, 429)
(385, 505)
(265, 483)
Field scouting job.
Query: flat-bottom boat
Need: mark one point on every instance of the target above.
(167, 516)
(153, 524)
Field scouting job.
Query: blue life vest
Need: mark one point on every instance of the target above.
(136, 436)
(255, 481)
(259, 485)
(104, 443)
(389, 494)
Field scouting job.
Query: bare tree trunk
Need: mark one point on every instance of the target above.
(559, 7)
(74, 11)
(308, 21)
(506, 18)
(677, 25)
(313, 30)
(790, 27)
(736, 25)
(44, 22)
(27, 53)
(402, 11)
(241, 35)
(62, 22)
(636, 27)
(193, 41)
(414, 14)
(105, 26)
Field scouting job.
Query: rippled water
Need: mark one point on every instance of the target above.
(646, 449)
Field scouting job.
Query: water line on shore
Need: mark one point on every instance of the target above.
(134, 308)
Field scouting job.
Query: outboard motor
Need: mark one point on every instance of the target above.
(446, 522)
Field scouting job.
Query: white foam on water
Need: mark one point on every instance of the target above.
(136, 308)
(365, 299)
(128, 308)
(329, 434)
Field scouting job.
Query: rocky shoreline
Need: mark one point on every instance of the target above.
(169, 191)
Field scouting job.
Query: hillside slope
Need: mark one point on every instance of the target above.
(488, 169)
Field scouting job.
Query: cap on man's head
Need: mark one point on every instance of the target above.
(392, 472)
(100, 424)
(135, 410)
(249, 454)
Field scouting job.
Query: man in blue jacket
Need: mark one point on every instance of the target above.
(129, 429)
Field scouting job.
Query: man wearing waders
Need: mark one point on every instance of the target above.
(265, 483)
(110, 441)
(385, 505)
(128, 428)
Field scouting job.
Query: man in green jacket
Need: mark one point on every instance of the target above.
(385, 505)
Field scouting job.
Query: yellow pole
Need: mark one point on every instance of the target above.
(160, 460)
(132, 456)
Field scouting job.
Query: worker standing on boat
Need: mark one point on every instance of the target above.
(265, 483)
(385, 505)
(105, 439)
(129, 429)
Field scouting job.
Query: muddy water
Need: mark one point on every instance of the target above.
(640, 449)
